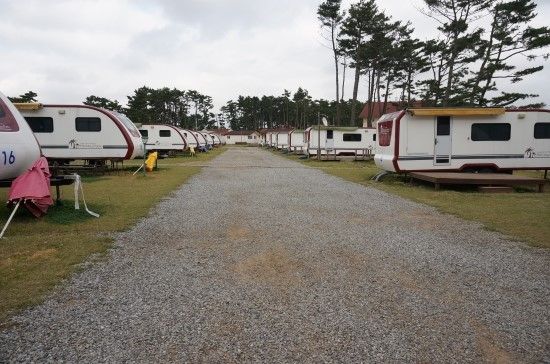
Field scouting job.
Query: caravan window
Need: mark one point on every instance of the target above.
(129, 124)
(164, 133)
(443, 125)
(330, 134)
(491, 132)
(542, 131)
(384, 130)
(144, 133)
(352, 137)
(7, 120)
(88, 124)
(40, 124)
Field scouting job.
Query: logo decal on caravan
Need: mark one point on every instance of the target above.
(74, 144)
(531, 153)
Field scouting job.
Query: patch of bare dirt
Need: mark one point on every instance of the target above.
(274, 266)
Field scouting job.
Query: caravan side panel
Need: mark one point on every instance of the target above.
(83, 132)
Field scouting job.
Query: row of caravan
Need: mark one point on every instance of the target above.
(433, 139)
(65, 133)
(326, 140)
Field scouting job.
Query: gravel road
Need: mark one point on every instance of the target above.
(259, 258)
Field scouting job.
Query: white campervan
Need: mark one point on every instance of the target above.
(18, 146)
(340, 141)
(82, 132)
(464, 139)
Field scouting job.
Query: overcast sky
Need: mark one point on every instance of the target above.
(67, 50)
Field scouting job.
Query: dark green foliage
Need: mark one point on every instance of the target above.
(103, 103)
(188, 109)
(331, 17)
(509, 37)
(296, 110)
(29, 96)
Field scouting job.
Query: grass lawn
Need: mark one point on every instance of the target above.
(523, 215)
(36, 254)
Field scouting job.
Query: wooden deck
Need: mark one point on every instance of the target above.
(479, 179)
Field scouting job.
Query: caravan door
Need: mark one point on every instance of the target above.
(442, 142)
(329, 142)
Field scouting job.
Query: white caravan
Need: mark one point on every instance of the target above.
(82, 132)
(217, 139)
(282, 138)
(203, 145)
(190, 137)
(271, 138)
(464, 139)
(209, 138)
(340, 141)
(296, 141)
(163, 138)
(18, 146)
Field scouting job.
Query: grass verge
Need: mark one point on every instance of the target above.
(37, 254)
(523, 215)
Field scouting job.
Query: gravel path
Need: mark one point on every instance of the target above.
(259, 258)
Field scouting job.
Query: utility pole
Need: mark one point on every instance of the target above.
(318, 135)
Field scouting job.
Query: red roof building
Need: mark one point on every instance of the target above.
(376, 109)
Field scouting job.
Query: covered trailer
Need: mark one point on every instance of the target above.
(18, 147)
(202, 143)
(163, 138)
(338, 141)
(464, 139)
(82, 132)
(282, 138)
(296, 141)
(190, 137)
(208, 139)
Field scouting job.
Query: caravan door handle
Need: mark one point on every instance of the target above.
(435, 141)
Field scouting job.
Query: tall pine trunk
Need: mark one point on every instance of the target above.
(355, 91)
(335, 51)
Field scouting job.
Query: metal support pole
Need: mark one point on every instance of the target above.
(319, 135)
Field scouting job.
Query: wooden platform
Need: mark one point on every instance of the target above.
(478, 179)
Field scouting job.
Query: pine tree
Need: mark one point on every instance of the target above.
(330, 16)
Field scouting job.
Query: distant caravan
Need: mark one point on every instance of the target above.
(296, 141)
(18, 146)
(339, 141)
(82, 132)
(201, 140)
(190, 137)
(464, 139)
(163, 138)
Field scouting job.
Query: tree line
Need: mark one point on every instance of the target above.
(296, 109)
(474, 54)
(477, 46)
(188, 109)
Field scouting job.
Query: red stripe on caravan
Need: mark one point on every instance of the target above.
(396, 147)
(180, 134)
(118, 123)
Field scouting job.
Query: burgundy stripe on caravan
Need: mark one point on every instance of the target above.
(527, 110)
(118, 123)
(193, 134)
(180, 134)
(396, 147)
